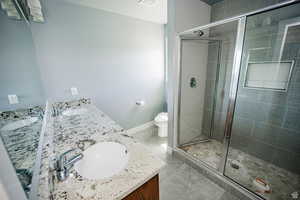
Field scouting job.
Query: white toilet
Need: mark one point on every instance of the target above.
(161, 120)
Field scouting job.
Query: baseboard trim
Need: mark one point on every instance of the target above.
(139, 128)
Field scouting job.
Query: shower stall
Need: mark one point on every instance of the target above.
(239, 97)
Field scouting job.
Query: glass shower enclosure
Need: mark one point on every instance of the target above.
(239, 100)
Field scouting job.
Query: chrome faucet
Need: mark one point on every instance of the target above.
(63, 166)
(54, 111)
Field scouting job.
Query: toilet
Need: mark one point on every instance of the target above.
(161, 120)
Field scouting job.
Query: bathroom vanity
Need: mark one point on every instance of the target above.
(148, 191)
(137, 179)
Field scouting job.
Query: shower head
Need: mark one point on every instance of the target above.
(199, 33)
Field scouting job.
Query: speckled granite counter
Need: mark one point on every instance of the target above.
(94, 124)
(22, 143)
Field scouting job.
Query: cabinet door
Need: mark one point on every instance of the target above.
(148, 191)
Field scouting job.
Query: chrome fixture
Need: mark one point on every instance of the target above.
(81, 143)
(199, 33)
(193, 82)
(63, 165)
(54, 111)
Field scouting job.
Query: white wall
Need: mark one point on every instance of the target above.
(194, 62)
(155, 13)
(113, 59)
(191, 13)
(182, 15)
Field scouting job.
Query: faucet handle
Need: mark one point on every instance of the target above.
(69, 151)
(81, 143)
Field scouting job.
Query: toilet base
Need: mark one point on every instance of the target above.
(163, 131)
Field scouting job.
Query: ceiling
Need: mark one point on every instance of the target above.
(210, 2)
(146, 10)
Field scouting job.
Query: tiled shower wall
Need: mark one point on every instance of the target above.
(212, 64)
(266, 123)
(219, 67)
(194, 54)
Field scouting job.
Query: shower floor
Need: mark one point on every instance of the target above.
(282, 182)
(208, 152)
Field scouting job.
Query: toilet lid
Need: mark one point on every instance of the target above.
(161, 117)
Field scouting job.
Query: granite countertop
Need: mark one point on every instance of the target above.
(94, 124)
(22, 143)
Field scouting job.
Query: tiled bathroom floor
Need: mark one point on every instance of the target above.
(179, 181)
(282, 182)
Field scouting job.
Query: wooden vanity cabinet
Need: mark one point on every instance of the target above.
(148, 191)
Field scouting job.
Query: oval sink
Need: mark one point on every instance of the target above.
(71, 112)
(102, 160)
(19, 124)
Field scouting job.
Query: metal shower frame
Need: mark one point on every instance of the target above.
(241, 19)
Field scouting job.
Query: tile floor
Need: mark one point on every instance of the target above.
(282, 182)
(179, 181)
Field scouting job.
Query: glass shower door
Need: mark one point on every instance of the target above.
(206, 65)
(264, 151)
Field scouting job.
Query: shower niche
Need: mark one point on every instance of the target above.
(269, 75)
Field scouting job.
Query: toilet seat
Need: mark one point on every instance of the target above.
(161, 117)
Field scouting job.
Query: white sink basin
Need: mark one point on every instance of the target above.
(71, 112)
(19, 124)
(102, 160)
